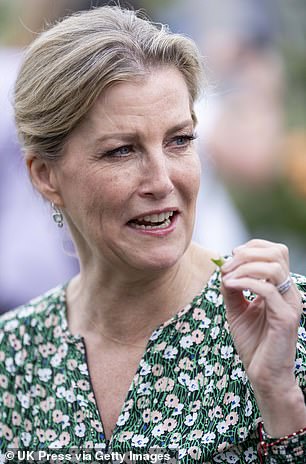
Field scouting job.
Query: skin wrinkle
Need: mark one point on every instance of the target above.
(102, 195)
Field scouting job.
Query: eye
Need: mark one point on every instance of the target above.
(123, 151)
(181, 141)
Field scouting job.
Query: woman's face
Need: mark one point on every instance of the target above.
(130, 175)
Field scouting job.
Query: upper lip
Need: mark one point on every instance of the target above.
(154, 211)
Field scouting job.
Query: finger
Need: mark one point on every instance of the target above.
(276, 302)
(259, 243)
(273, 272)
(245, 254)
(279, 250)
(234, 298)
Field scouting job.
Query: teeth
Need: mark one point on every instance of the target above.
(156, 217)
(160, 226)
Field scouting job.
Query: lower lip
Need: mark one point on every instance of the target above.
(158, 232)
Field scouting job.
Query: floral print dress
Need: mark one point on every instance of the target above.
(190, 394)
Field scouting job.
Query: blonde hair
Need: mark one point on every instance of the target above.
(68, 66)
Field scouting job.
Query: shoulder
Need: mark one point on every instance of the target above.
(27, 317)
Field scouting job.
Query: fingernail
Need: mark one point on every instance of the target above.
(227, 265)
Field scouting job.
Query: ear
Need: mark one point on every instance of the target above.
(42, 174)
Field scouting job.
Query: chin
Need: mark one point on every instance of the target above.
(159, 261)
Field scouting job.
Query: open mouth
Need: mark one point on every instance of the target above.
(154, 221)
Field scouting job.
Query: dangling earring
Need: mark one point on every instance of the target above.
(57, 215)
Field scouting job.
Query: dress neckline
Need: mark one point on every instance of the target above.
(213, 279)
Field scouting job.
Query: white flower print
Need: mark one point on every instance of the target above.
(44, 374)
(11, 325)
(83, 368)
(190, 419)
(222, 427)
(35, 410)
(299, 365)
(139, 441)
(80, 430)
(248, 409)
(56, 444)
(10, 366)
(178, 409)
(214, 332)
(61, 392)
(144, 388)
(237, 373)
(211, 296)
(26, 438)
(145, 368)
(156, 334)
(210, 387)
(173, 445)
(202, 361)
(70, 396)
(231, 457)
(81, 401)
(186, 341)
(218, 303)
(175, 437)
(242, 432)
(24, 400)
(226, 352)
(158, 430)
(26, 339)
(65, 421)
(209, 370)
(20, 357)
(250, 455)
(123, 418)
(205, 323)
(184, 378)
(170, 352)
(182, 453)
(209, 437)
(302, 333)
(128, 405)
(56, 360)
(193, 385)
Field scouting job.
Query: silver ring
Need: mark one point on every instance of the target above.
(284, 286)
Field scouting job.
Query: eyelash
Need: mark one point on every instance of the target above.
(188, 138)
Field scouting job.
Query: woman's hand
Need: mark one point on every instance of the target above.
(265, 329)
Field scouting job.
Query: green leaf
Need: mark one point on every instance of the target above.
(219, 261)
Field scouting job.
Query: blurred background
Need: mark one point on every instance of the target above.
(251, 134)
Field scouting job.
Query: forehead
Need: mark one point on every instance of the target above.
(161, 95)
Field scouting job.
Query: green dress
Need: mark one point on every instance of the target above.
(190, 395)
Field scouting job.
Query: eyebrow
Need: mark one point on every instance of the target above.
(180, 126)
(131, 135)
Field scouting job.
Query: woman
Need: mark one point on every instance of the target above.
(135, 352)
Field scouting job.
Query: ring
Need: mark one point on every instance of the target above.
(284, 286)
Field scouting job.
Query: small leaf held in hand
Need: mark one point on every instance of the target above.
(219, 262)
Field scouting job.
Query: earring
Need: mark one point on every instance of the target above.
(57, 215)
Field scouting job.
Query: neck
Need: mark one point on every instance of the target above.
(125, 309)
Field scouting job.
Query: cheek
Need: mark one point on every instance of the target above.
(191, 175)
(109, 194)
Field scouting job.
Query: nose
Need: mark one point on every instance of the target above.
(156, 179)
